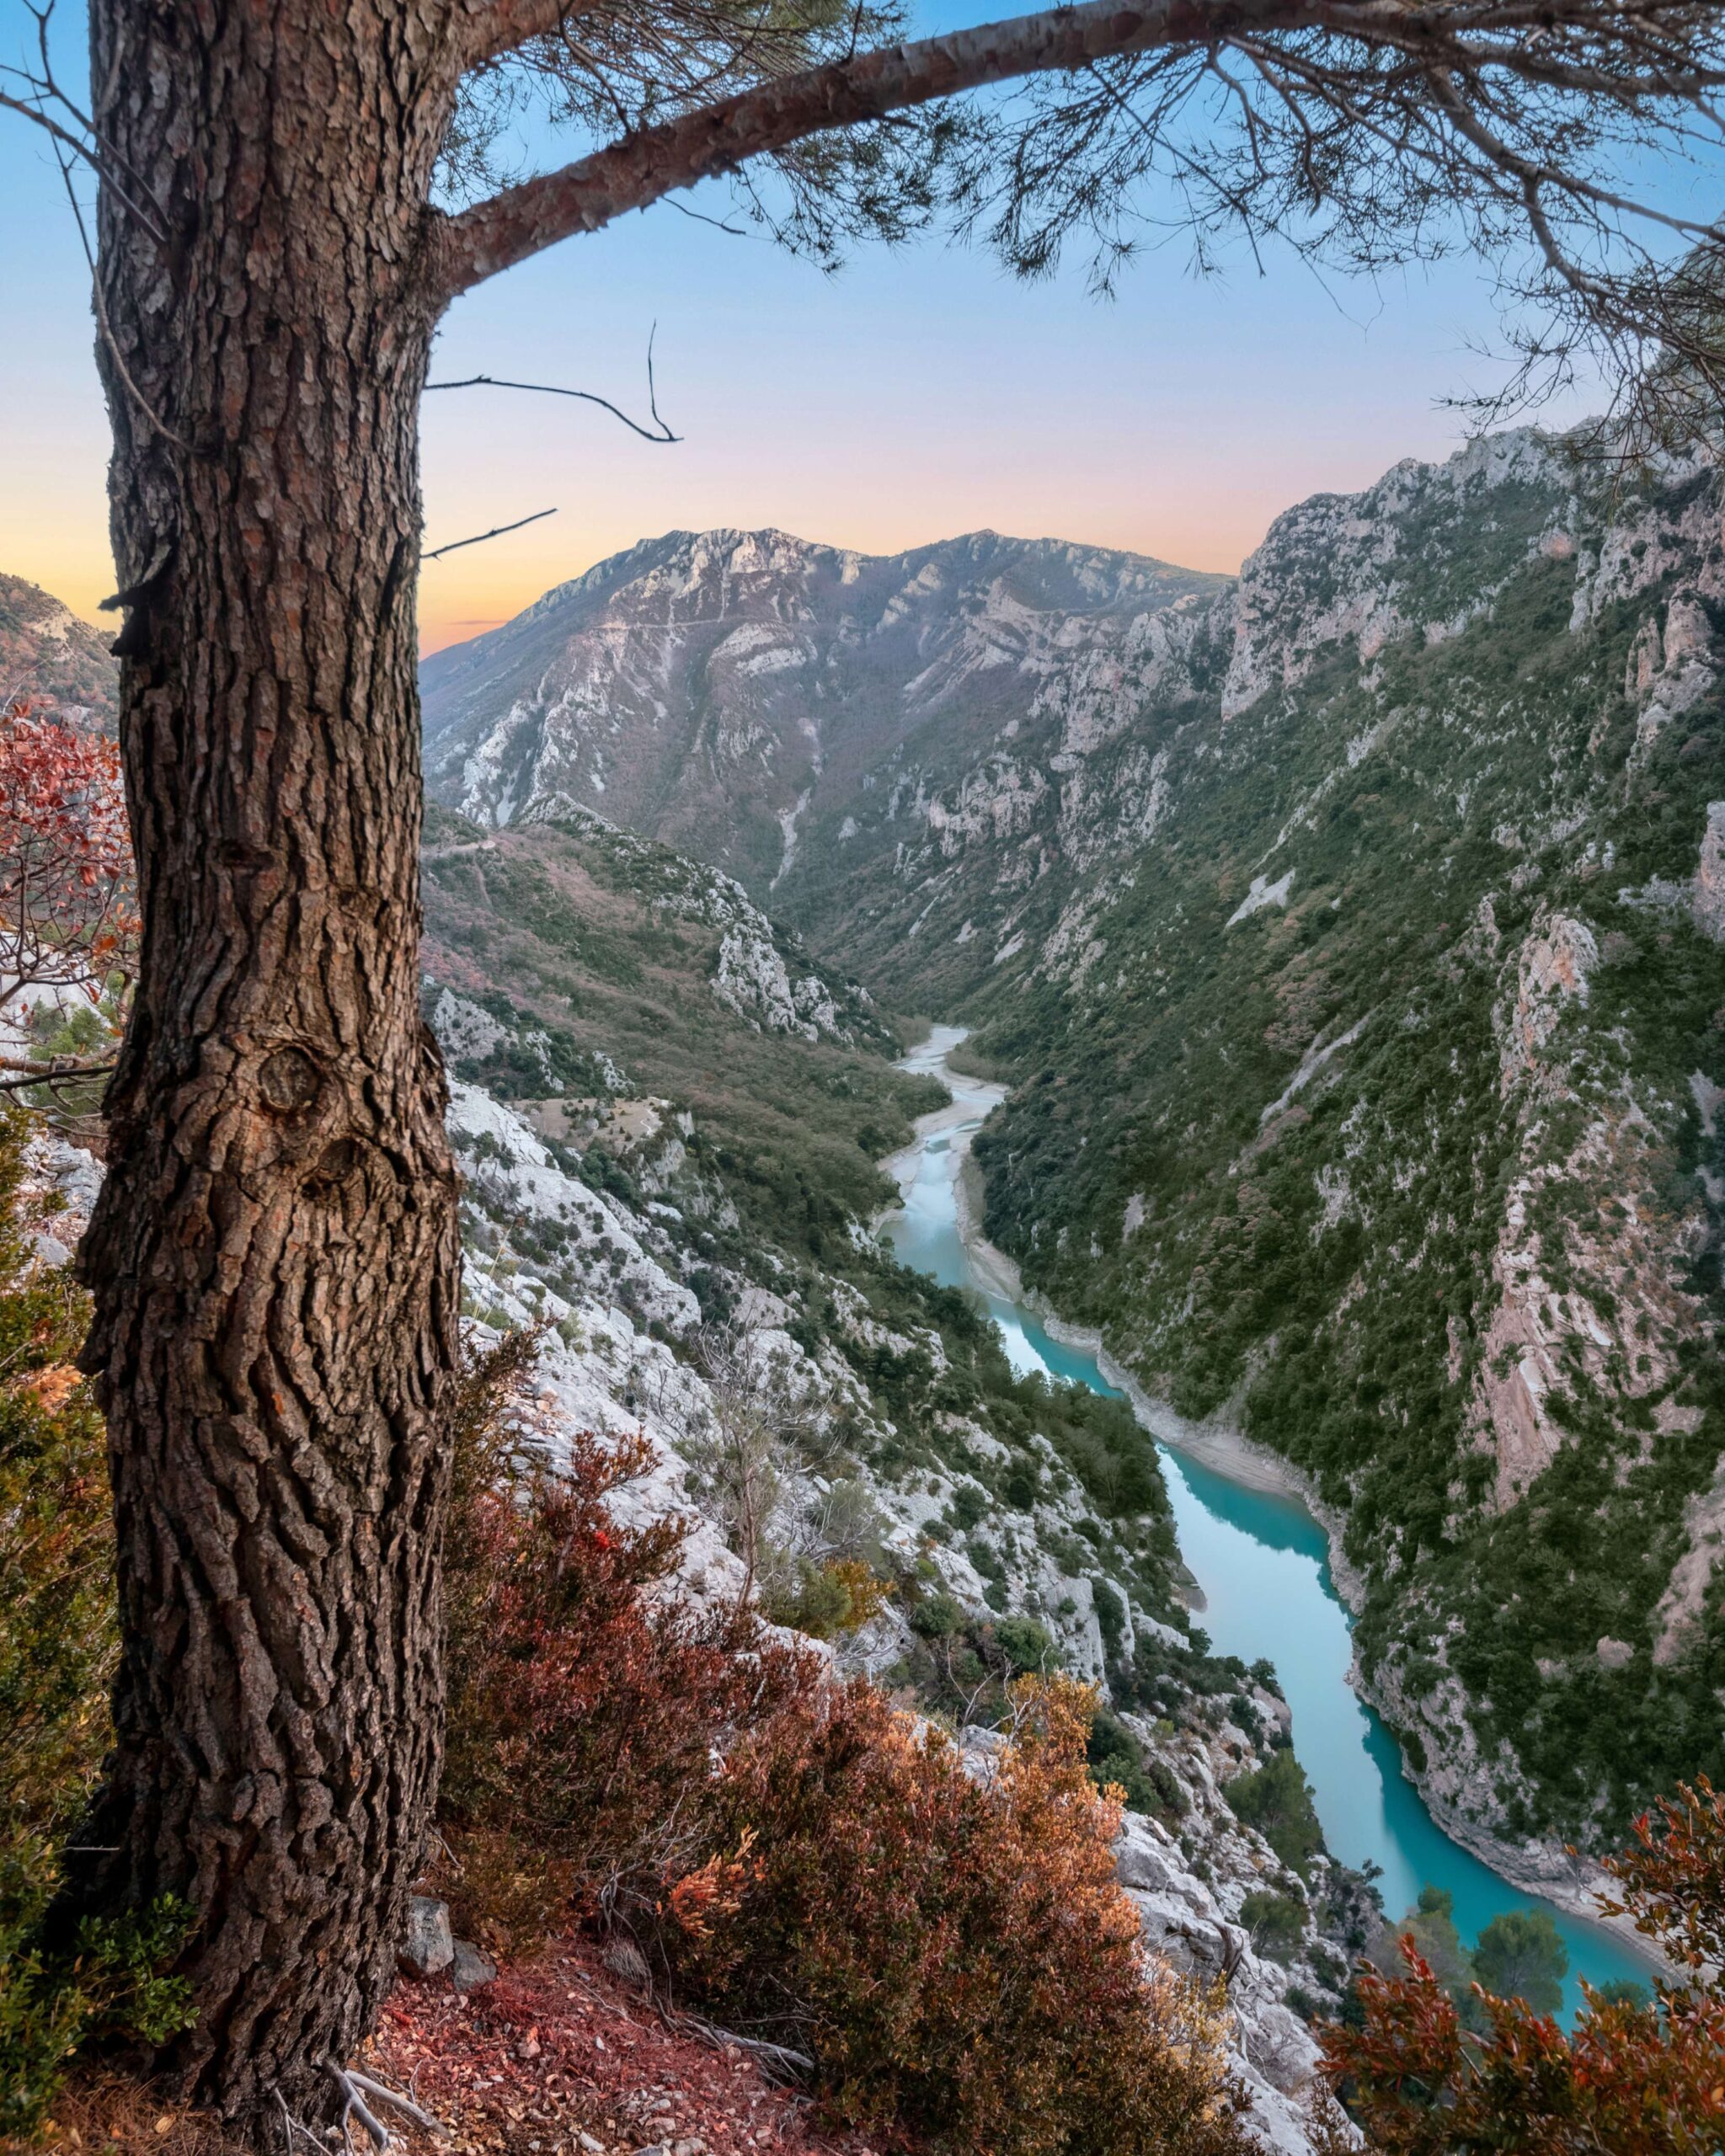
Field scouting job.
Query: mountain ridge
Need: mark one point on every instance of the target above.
(777, 668)
(52, 658)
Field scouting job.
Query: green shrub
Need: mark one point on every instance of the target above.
(111, 1982)
(1026, 1645)
(1022, 1485)
(1277, 1923)
(1277, 1800)
(1521, 1955)
(1116, 1759)
(58, 1640)
(1110, 1616)
(967, 1508)
(936, 1617)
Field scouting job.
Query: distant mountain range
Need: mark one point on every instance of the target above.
(728, 692)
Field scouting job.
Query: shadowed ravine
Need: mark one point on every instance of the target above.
(1261, 1561)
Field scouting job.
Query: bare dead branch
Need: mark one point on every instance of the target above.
(700, 216)
(291, 2125)
(120, 368)
(89, 147)
(50, 1075)
(396, 2101)
(496, 531)
(658, 432)
(355, 2106)
(780, 2061)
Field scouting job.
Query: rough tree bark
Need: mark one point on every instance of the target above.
(274, 1256)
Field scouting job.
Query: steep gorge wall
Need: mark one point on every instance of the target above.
(1373, 1100)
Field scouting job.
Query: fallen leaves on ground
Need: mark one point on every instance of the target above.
(556, 2058)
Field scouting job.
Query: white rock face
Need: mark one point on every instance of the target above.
(464, 1029)
(1332, 572)
(733, 655)
(754, 981)
(1193, 1922)
(1262, 893)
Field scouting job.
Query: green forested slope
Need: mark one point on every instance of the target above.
(1464, 1268)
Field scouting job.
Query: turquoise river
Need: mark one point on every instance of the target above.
(1261, 1560)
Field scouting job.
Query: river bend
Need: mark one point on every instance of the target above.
(1261, 1561)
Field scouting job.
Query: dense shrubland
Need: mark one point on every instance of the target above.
(790, 1852)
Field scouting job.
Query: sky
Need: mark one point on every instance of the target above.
(917, 395)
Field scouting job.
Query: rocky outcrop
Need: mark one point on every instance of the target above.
(1194, 1923)
(1365, 570)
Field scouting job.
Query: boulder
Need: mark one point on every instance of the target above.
(471, 1969)
(428, 1947)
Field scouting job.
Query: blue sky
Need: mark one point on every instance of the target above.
(916, 395)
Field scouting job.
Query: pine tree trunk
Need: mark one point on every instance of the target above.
(274, 1256)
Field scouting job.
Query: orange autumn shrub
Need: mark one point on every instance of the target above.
(585, 1702)
(1632, 2077)
(957, 1957)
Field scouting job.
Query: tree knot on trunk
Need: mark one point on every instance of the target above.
(289, 1081)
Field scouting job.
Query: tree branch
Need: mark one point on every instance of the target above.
(659, 431)
(496, 531)
(501, 26)
(20, 1076)
(637, 171)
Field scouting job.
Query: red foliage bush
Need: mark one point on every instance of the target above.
(585, 1709)
(1628, 2080)
(957, 1959)
(958, 1956)
(69, 900)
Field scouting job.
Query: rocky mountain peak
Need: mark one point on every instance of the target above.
(713, 688)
